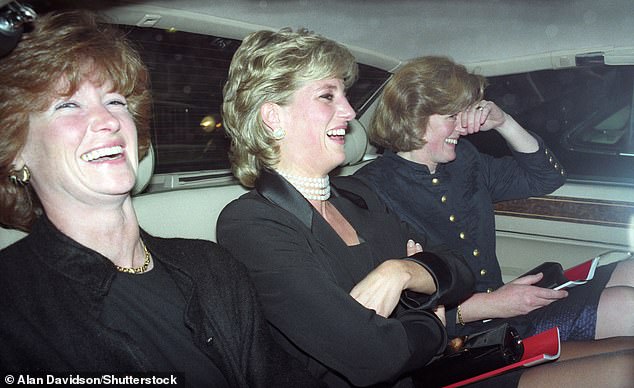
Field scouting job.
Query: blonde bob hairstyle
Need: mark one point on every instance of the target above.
(269, 67)
(75, 45)
(422, 87)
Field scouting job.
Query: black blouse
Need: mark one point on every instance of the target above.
(454, 205)
(304, 272)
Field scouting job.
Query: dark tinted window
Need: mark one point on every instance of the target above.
(188, 71)
(584, 114)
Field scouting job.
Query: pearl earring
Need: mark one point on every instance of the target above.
(279, 134)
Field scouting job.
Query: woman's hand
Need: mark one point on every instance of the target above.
(485, 115)
(440, 313)
(381, 289)
(413, 248)
(518, 297)
(481, 116)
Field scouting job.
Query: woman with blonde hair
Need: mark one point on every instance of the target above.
(329, 262)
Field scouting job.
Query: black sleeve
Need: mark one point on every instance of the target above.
(266, 363)
(523, 175)
(231, 309)
(452, 275)
(453, 278)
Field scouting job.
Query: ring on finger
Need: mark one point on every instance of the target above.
(479, 107)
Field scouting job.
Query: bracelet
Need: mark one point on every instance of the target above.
(459, 314)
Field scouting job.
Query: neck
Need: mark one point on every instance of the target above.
(418, 156)
(312, 188)
(111, 231)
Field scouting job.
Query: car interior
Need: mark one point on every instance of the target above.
(563, 69)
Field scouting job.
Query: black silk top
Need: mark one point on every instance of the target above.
(303, 272)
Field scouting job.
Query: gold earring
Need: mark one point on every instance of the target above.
(279, 134)
(20, 177)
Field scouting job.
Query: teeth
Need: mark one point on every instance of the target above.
(101, 152)
(451, 141)
(336, 132)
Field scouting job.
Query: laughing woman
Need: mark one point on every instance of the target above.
(87, 290)
(439, 183)
(330, 263)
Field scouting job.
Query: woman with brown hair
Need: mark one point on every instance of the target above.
(87, 290)
(439, 183)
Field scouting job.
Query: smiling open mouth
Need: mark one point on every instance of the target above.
(451, 141)
(336, 132)
(108, 153)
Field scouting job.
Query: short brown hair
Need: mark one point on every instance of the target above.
(269, 67)
(422, 87)
(61, 44)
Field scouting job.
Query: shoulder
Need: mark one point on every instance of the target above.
(351, 183)
(189, 254)
(245, 210)
(245, 206)
(14, 250)
(377, 167)
(211, 267)
(357, 190)
(19, 260)
(17, 267)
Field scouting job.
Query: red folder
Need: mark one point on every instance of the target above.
(579, 274)
(540, 348)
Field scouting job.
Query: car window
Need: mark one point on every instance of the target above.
(188, 72)
(584, 114)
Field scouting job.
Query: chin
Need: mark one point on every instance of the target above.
(450, 157)
(338, 163)
(118, 186)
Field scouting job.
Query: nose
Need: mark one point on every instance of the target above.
(346, 111)
(101, 119)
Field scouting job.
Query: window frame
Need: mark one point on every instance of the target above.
(178, 59)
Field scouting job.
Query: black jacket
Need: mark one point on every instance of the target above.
(302, 271)
(52, 291)
(454, 205)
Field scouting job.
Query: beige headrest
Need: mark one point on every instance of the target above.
(356, 143)
(145, 171)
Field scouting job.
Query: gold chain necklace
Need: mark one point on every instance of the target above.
(142, 268)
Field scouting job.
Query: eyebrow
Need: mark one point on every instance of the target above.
(328, 86)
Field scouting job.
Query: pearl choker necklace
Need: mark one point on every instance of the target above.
(317, 189)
